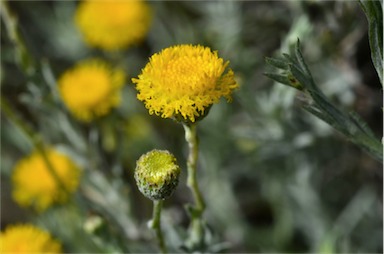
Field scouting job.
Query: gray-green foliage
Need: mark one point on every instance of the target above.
(297, 75)
(275, 178)
(374, 12)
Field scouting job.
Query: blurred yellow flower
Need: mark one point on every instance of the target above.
(26, 238)
(91, 89)
(34, 185)
(113, 25)
(184, 80)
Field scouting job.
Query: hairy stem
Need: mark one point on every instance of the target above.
(155, 224)
(191, 138)
(197, 226)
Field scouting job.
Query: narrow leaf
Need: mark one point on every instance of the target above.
(319, 114)
(363, 126)
(300, 59)
(374, 12)
(280, 64)
(300, 76)
(279, 78)
(290, 58)
(331, 111)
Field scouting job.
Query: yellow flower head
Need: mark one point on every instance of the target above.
(27, 239)
(184, 80)
(34, 185)
(91, 89)
(113, 25)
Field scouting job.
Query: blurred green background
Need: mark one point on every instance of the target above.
(275, 178)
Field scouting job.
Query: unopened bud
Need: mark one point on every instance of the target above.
(157, 174)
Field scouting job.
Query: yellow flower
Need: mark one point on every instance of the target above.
(34, 185)
(113, 25)
(27, 239)
(91, 89)
(184, 80)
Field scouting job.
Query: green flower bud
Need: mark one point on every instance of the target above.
(157, 174)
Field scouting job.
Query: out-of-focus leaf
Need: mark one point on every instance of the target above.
(23, 57)
(281, 64)
(374, 12)
(279, 78)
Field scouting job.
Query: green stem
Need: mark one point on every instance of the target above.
(198, 210)
(33, 137)
(23, 57)
(191, 138)
(155, 224)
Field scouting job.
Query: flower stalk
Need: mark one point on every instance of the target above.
(157, 176)
(191, 138)
(155, 224)
(23, 57)
(198, 209)
(33, 137)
